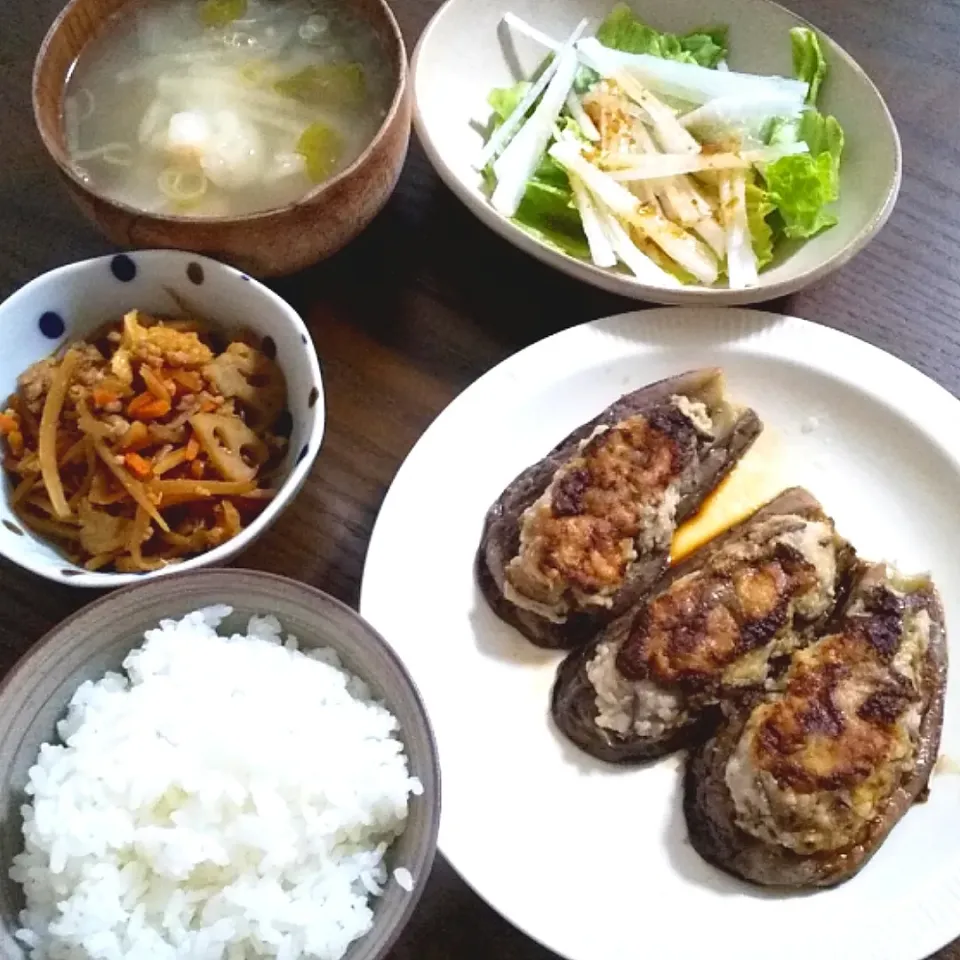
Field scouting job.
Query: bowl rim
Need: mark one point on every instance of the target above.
(628, 286)
(312, 597)
(62, 161)
(75, 576)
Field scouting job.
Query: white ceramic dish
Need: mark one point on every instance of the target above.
(593, 860)
(71, 301)
(464, 52)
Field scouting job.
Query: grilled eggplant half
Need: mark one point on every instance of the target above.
(800, 788)
(579, 537)
(718, 625)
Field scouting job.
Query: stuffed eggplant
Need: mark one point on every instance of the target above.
(718, 625)
(801, 787)
(579, 537)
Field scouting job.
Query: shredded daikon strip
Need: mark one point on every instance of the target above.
(639, 166)
(573, 101)
(678, 244)
(714, 235)
(587, 126)
(686, 81)
(681, 199)
(503, 134)
(681, 246)
(639, 264)
(612, 194)
(740, 115)
(601, 251)
(671, 134)
(741, 260)
(514, 167)
(521, 26)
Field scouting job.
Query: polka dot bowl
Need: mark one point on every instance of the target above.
(72, 301)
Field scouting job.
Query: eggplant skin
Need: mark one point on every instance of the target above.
(710, 812)
(500, 541)
(573, 700)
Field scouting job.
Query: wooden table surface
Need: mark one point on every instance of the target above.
(416, 309)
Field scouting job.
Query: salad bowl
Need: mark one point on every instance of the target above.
(474, 47)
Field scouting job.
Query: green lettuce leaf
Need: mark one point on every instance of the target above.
(759, 208)
(821, 134)
(503, 100)
(548, 213)
(623, 31)
(809, 64)
(800, 187)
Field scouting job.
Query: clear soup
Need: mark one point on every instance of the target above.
(224, 107)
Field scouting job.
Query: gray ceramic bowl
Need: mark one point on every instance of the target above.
(465, 51)
(34, 695)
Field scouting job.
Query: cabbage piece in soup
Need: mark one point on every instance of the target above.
(224, 107)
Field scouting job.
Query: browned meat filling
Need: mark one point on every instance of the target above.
(815, 764)
(615, 497)
(736, 604)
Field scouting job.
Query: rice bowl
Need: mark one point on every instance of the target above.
(230, 796)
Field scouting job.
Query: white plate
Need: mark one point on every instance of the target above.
(593, 860)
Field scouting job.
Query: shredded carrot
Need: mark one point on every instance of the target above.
(193, 448)
(103, 397)
(8, 424)
(196, 469)
(131, 485)
(208, 406)
(137, 465)
(49, 424)
(145, 406)
(15, 442)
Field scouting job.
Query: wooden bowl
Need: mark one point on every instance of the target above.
(266, 243)
(35, 694)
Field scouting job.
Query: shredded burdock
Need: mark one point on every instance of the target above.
(146, 445)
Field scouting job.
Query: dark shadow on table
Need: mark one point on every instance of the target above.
(452, 922)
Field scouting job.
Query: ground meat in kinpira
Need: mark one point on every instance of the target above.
(582, 532)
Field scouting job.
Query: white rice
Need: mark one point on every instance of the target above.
(233, 798)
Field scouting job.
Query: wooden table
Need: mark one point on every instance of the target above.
(416, 310)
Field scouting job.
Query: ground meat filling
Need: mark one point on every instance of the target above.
(735, 609)
(614, 500)
(815, 765)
